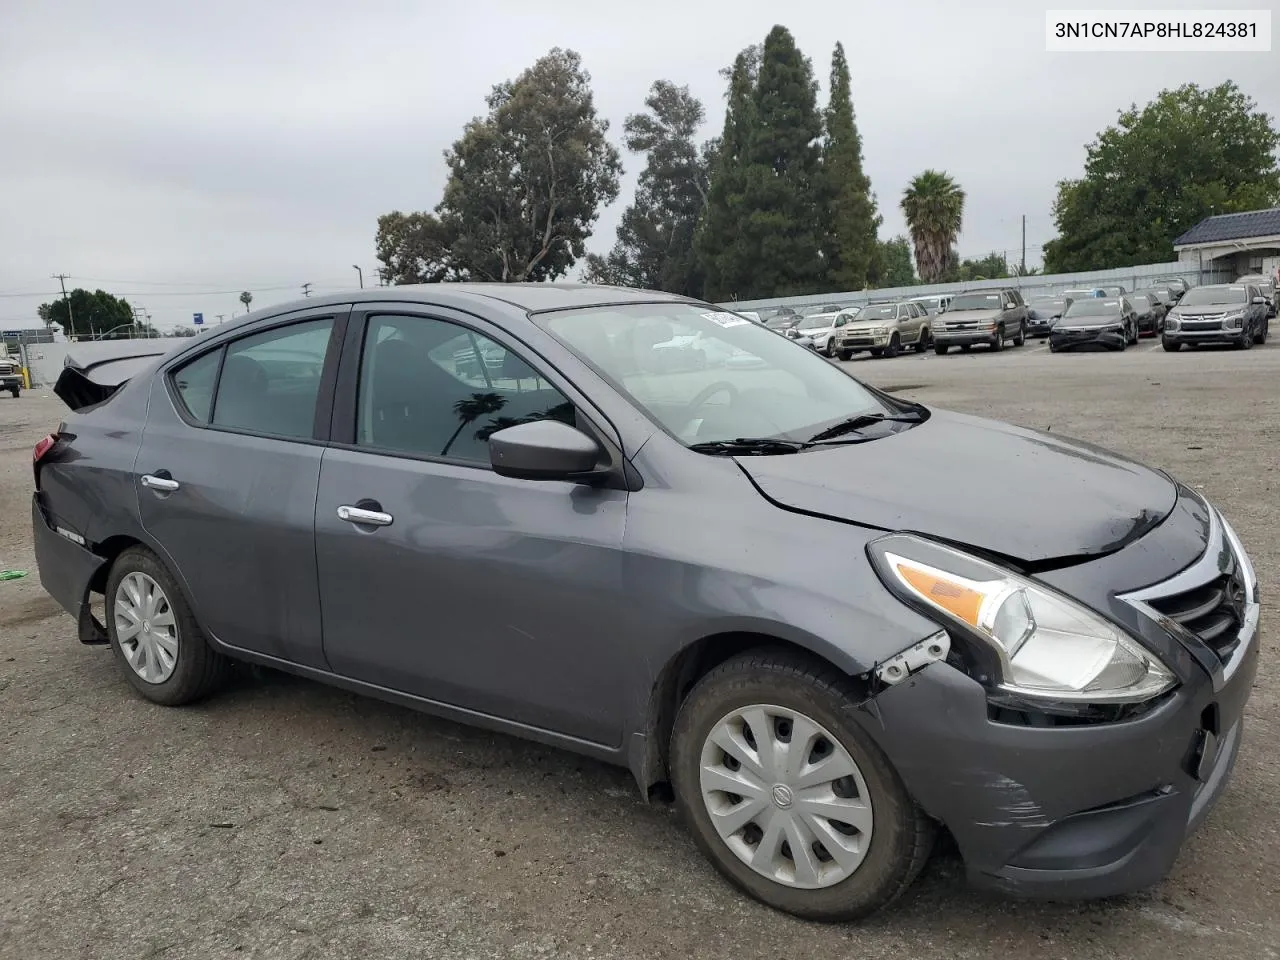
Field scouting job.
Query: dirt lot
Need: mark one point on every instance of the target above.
(285, 819)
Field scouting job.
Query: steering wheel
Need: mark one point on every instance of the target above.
(705, 394)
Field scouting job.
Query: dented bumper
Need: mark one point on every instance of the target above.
(1069, 811)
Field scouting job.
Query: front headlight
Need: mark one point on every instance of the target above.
(1035, 641)
(1233, 320)
(1171, 323)
(879, 331)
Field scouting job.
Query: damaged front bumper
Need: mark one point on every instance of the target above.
(1062, 812)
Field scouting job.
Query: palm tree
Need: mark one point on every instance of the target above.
(246, 298)
(471, 409)
(934, 207)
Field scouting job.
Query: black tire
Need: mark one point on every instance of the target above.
(895, 346)
(903, 835)
(1021, 336)
(15, 391)
(922, 341)
(1260, 339)
(1244, 343)
(1173, 346)
(876, 352)
(998, 344)
(941, 349)
(199, 670)
(965, 347)
(846, 354)
(1134, 341)
(1124, 342)
(1053, 347)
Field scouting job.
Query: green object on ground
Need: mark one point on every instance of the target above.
(12, 574)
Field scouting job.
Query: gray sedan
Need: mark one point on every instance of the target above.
(782, 598)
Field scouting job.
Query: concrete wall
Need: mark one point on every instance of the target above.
(46, 360)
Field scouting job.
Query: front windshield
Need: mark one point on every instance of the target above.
(1045, 303)
(1093, 307)
(817, 322)
(975, 301)
(1206, 296)
(780, 323)
(880, 311)
(705, 375)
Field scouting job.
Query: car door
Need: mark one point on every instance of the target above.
(227, 474)
(484, 593)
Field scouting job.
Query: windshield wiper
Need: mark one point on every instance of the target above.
(854, 424)
(748, 445)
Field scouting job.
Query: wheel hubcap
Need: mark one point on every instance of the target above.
(785, 796)
(146, 628)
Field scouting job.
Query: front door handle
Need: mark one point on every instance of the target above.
(359, 515)
(166, 484)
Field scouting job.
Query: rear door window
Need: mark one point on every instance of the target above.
(195, 382)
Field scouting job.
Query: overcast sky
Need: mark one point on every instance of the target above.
(176, 153)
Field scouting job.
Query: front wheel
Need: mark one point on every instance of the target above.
(1021, 336)
(895, 345)
(998, 343)
(1245, 341)
(941, 349)
(922, 341)
(15, 392)
(787, 795)
(1259, 339)
(1173, 346)
(1134, 338)
(154, 634)
(846, 354)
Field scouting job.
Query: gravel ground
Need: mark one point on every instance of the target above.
(286, 819)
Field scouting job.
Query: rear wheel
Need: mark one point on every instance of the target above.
(161, 647)
(922, 342)
(787, 795)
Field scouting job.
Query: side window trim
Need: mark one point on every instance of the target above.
(344, 419)
(339, 313)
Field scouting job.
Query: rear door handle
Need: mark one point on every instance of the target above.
(152, 482)
(361, 516)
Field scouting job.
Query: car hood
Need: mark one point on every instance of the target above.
(1033, 497)
(963, 316)
(1209, 310)
(867, 324)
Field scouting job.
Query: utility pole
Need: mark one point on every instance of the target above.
(1024, 245)
(62, 279)
(359, 273)
(220, 316)
(306, 289)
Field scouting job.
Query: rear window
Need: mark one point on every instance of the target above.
(195, 382)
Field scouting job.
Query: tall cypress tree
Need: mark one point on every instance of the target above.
(764, 227)
(718, 234)
(852, 220)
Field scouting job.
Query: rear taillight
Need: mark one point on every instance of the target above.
(43, 447)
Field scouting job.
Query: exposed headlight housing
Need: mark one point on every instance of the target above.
(1027, 639)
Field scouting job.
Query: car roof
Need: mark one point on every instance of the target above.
(533, 297)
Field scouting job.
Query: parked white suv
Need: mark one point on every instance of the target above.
(822, 327)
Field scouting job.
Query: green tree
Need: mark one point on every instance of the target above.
(934, 208)
(527, 181)
(853, 220)
(891, 264)
(654, 248)
(246, 298)
(764, 231)
(92, 314)
(729, 161)
(414, 248)
(1187, 155)
(994, 266)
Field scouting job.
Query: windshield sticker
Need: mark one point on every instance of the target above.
(726, 319)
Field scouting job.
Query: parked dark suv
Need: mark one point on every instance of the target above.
(797, 601)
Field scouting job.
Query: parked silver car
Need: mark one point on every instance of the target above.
(884, 329)
(988, 317)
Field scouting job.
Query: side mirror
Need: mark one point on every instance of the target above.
(543, 450)
(1260, 301)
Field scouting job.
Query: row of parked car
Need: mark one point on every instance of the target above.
(1107, 317)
